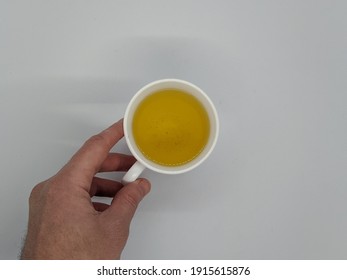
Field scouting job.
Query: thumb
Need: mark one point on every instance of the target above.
(127, 199)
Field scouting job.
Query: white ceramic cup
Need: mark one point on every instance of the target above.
(142, 161)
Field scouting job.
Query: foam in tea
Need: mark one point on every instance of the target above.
(170, 127)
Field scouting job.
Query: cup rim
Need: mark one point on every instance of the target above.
(170, 169)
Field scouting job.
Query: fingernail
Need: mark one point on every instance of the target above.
(144, 184)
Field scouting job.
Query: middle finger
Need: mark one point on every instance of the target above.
(104, 187)
(117, 162)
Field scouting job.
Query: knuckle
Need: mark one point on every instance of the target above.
(98, 138)
(130, 200)
(43, 191)
(36, 192)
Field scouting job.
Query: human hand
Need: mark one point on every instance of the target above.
(63, 221)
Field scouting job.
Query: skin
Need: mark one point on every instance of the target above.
(63, 221)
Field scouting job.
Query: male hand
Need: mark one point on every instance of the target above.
(63, 221)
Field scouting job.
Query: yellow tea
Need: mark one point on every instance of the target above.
(170, 127)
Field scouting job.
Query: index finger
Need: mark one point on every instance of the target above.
(89, 158)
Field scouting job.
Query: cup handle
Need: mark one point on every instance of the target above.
(133, 173)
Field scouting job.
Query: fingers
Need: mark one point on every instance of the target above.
(89, 158)
(95, 150)
(104, 187)
(119, 162)
(126, 198)
(124, 204)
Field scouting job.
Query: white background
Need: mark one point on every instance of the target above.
(275, 186)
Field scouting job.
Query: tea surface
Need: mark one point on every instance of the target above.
(171, 127)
